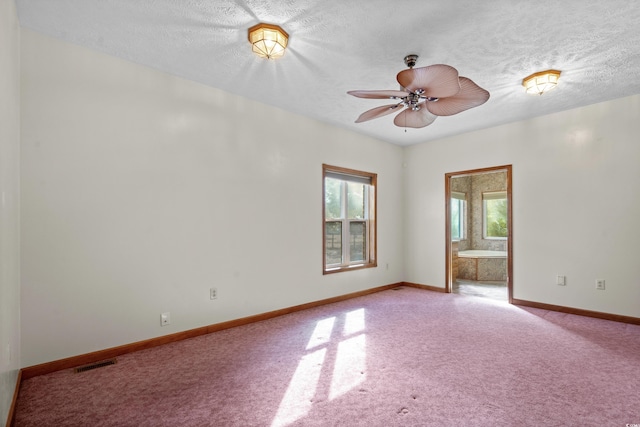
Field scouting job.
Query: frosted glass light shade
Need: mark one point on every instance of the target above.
(541, 82)
(268, 41)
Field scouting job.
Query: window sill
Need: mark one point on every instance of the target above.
(349, 268)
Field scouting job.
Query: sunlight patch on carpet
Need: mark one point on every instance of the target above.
(322, 333)
(298, 399)
(354, 322)
(348, 353)
(349, 368)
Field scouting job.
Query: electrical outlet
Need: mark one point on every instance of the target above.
(213, 293)
(165, 319)
(561, 280)
(600, 284)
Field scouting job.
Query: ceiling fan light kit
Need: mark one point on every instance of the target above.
(426, 92)
(541, 82)
(268, 41)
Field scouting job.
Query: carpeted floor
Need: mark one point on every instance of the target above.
(403, 357)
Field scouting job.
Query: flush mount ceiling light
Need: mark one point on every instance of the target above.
(268, 41)
(541, 82)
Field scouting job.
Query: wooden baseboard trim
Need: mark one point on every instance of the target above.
(578, 311)
(71, 362)
(550, 307)
(97, 356)
(12, 408)
(425, 287)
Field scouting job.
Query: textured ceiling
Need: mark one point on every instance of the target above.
(338, 45)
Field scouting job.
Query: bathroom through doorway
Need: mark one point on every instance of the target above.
(479, 241)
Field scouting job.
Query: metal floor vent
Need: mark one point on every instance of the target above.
(95, 365)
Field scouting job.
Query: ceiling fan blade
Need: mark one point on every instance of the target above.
(378, 94)
(414, 119)
(437, 81)
(470, 95)
(374, 113)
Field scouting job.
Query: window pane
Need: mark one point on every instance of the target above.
(332, 198)
(357, 240)
(333, 241)
(355, 194)
(455, 219)
(496, 217)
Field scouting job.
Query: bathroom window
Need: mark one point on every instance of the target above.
(494, 215)
(349, 225)
(458, 215)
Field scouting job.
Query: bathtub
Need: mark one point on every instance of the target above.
(482, 265)
(478, 253)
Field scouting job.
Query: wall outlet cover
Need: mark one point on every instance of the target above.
(165, 319)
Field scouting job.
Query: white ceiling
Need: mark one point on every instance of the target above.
(340, 45)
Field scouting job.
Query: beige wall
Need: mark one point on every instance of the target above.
(575, 203)
(9, 203)
(142, 190)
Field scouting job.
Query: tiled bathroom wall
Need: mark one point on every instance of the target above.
(474, 186)
(493, 269)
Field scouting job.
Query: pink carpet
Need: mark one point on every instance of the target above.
(403, 357)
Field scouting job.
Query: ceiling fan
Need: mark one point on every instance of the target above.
(427, 92)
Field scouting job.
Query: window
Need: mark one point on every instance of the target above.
(494, 215)
(458, 215)
(349, 227)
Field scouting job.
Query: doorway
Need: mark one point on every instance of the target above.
(478, 231)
